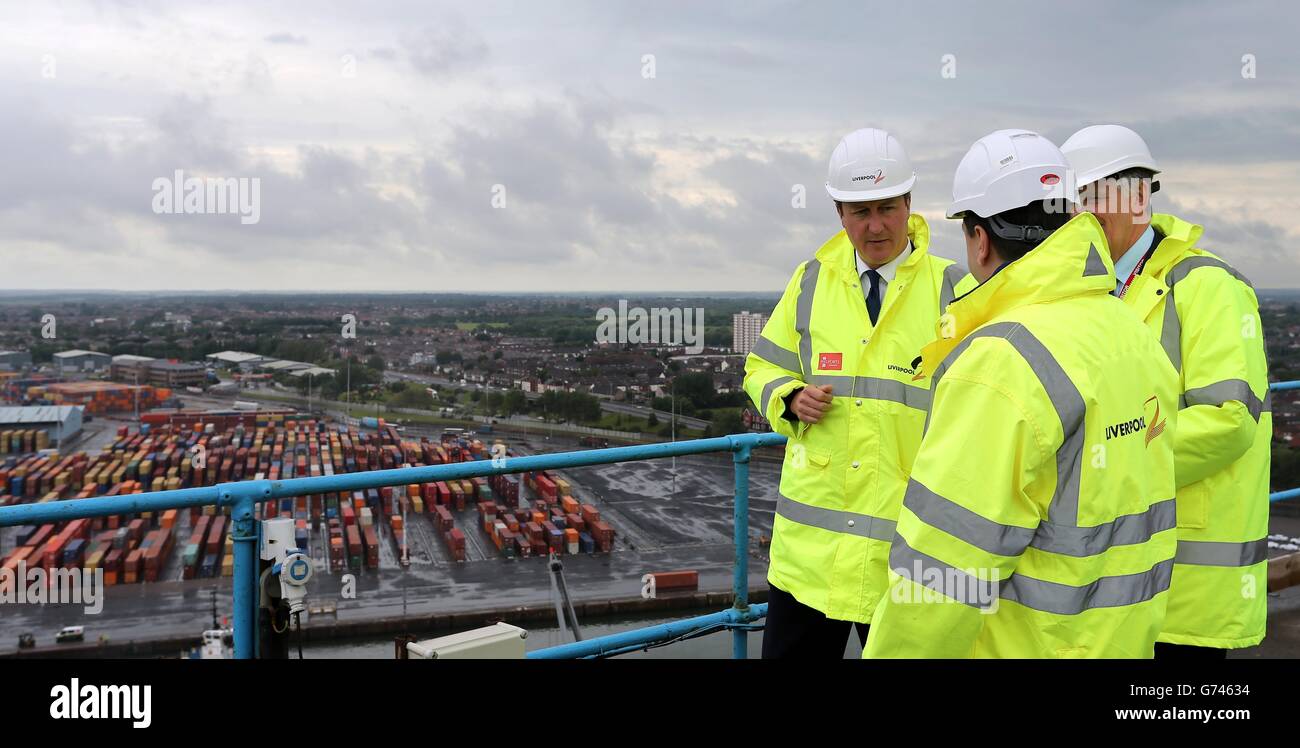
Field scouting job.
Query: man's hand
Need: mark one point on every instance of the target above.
(811, 403)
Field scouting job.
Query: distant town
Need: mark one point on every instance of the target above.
(436, 359)
(450, 359)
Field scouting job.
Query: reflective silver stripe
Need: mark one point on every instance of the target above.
(1065, 397)
(1049, 597)
(1180, 271)
(775, 354)
(1171, 328)
(1209, 553)
(874, 388)
(952, 275)
(956, 520)
(1095, 265)
(930, 572)
(1221, 392)
(843, 385)
(1171, 331)
(1011, 540)
(803, 313)
(1106, 592)
(849, 523)
(1131, 529)
(1070, 409)
(771, 387)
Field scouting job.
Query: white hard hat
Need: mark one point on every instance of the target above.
(1099, 151)
(1010, 169)
(869, 164)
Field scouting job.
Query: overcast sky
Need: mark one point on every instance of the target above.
(381, 133)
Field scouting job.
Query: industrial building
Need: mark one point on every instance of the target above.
(15, 360)
(158, 372)
(79, 360)
(236, 360)
(278, 366)
(58, 422)
(314, 371)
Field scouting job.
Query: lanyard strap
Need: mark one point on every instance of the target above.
(1137, 270)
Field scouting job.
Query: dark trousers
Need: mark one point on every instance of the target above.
(1185, 652)
(795, 631)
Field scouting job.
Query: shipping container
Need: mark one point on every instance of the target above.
(371, 548)
(676, 580)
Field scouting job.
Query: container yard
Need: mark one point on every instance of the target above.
(480, 519)
(429, 549)
(100, 397)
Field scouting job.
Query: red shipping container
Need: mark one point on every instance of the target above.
(676, 580)
(575, 522)
(131, 569)
(216, 536)
(371, 546)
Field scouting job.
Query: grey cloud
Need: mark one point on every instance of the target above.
(438, 51)
(285, 37)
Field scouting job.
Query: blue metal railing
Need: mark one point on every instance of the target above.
(242, 496)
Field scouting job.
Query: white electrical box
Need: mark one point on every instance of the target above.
(500, 641)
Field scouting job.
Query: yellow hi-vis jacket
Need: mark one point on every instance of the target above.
(1039, 520)
(842, 479)
(1206, 317)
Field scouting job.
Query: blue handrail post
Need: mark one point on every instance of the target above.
(740, 530)
(242, 498)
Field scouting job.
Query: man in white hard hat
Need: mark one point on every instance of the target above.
(1037, 520)
(835, 371)
(1206, 316)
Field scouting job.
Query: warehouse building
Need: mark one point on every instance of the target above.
(19, 426)
(78, 360)
(313, 371)
(236, 360)
(15, 360)
(286, 366)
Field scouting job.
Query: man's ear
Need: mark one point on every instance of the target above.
(984, 253)
(839, 209)
(1143, 198)
(907, 202)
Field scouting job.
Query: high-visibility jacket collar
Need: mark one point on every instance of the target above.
(1149, 289)
(1073, 261)
(1180, 236)
(837, 253)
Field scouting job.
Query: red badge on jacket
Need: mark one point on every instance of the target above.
(830, 361)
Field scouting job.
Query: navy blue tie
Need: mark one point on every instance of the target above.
(873, 295)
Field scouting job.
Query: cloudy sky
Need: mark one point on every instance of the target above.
(580, 146)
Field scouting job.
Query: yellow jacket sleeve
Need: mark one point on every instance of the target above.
(965, 522)
(773, 369)
(1224, 372)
